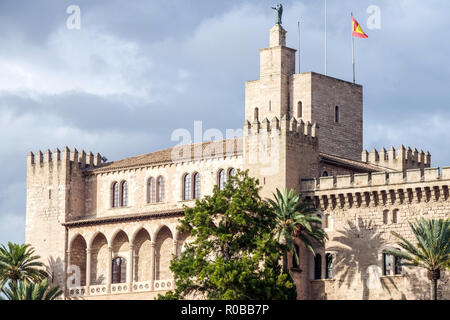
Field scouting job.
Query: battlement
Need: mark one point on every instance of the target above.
(398, 159)
(375, 179)
(83, 159)
(306, 130)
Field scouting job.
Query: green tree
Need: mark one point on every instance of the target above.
(233, 253)
(24, 290)
(18, 262)
(432, 249)
(296, 219)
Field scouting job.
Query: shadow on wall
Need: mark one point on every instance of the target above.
(357, 262)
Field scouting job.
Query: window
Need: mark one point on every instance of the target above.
(325, 174)
(232, 172)
(385, 216)
(197, 185)
(151, 190)
(119, 270)
(395, 216)
(160, 189)
(391, 265)
(299, 109)
(336, 114)
(295, 262)
(187, 187)
(124, 194)
(115, 195)
(329, 266)
(317, 267)
(222, 179)
(256, 114)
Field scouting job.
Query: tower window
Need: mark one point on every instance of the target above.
(256, 114)
(336, 114)
(222, 179)
(299, 109)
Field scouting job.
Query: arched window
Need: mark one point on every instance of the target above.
(325, 174)
(222, 179)
(295, 261)
(336, 114)
(151, 190)
(124, 194)
(299, 109)
(256, 114)
(160, 189)
(329, 266)
(187, 187)
(196, 185)
(115, 195)
(317, 267)
(119, 270)
(232, 172)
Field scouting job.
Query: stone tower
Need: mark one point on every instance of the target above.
(55, 194)
(335, 105)
(279, 149)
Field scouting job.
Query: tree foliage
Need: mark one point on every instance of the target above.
(24, 290)
(232, 252)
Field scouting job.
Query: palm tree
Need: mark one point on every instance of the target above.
(296, 219)
(432, 250)
(24, 290)
(18, 262)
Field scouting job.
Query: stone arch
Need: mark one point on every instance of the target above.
(77, 249)
(163, 253)
(99, 259)
(142, 255)
(120, 248)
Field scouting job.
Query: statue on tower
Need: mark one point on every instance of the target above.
(279, 9)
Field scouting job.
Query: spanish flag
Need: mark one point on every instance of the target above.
(357, 30)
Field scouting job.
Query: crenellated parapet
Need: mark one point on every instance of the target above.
(398, 159)
(380, 188)
(306, 131)
(77, 159)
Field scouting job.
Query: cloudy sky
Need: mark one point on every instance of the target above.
(137, 70)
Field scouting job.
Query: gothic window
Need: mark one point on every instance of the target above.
(160, 189)
(256, 114)
(119, 270)
(222, 179)
(196, 185)
(336, 114)
(151, 190)
(329, 266)
(187, 187)
(325, 174)
(317, 267)
(232, 172)
(124, 194)
(299, 109)
(115, 195)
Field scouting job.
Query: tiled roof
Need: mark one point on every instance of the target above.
(353, 164)
(208, 149)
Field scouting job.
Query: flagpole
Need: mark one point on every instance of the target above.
(326, 71)
(299, 47)
(353, 53)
